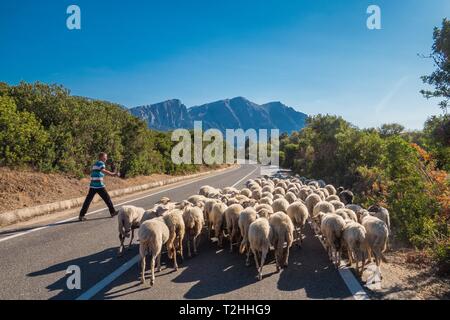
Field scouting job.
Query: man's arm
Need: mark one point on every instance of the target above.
(110, 173)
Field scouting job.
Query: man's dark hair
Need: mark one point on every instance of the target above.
(101, 154)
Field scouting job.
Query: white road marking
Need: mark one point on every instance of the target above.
(234, 185)
(122, 269)
(100, 210)
(110, 278)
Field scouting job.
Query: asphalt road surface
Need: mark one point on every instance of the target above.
(34, 261)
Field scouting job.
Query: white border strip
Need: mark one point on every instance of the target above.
(234, 185)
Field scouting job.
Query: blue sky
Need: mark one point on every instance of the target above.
(316, 56)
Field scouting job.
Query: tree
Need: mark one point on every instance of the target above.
(440, 78)
(391, 129)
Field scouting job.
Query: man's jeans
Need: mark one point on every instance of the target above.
(103, 194)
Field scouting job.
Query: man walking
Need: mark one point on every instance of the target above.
(97, 186)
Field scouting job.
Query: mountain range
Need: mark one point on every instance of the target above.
(236, 113)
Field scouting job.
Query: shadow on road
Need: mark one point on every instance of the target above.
(93, 268)
(212, 274)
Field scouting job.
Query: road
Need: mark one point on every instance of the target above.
(34, 261)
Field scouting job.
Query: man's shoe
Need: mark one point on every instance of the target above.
(114, 214)
(82, 218)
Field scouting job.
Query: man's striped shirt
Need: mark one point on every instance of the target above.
(97, 175)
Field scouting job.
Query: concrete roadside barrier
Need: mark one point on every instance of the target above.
(24, 214)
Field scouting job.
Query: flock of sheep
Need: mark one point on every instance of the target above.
(269, 213)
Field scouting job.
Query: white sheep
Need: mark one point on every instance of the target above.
(290, 197)
(354, 237)
(193, 222)
(246, 192)
(266, 200)
(311, 202)
(358, 210)
(264, 210)
(196, 199)
(282, 233)
(217, 221)
(279, 190)
(304, 193)
(267, 195)
(280, 205)
(153, 234)
(331, 189)
(347, 214)
(332, 198)
(129, 219)
(232, 214)
(246, 218)
(298, 213)
(337, 204)
(377, 234)
(382, 214)
(259, 234)
(174, 221)
(331, 227)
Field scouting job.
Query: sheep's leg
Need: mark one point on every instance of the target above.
(194, 242)
(209, 230)
(358, 272)
(174, 256)
(338, 258)
(247, 261)
(377, 258)
(180, 246)
(217, 233)
(189, 244)
(297, 239)
(131, 240)
(152, 264)
(263, 260)
(231, 239)
(302, 231)
(362, 265)
(350, 258)
(142, 254)
(277, 258)
(122, 239)
(159, 263)
(285, 256)
(369, 255)
(255, 255)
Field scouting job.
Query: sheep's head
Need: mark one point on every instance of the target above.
(185, 204)
(248, 203)
(363, 215)
(164, 200)
(201, 204)
(224, 199)
(374, 208)
(161, 210)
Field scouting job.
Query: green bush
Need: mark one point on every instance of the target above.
(23, 141)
